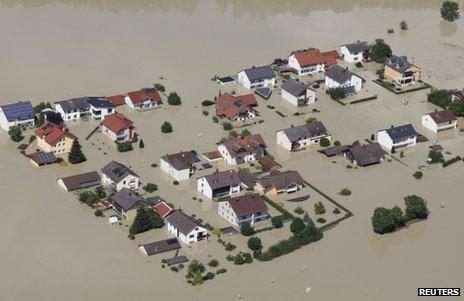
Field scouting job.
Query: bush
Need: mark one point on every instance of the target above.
(359, 65)
(337, 143)
(254, 243)
(324, 142)
(277, 222)
(229, 246)
(404, 25)
(213, 263)
(441, 98)
(457, 107)
(227, 126)
(215, 119)
(205, 112)
(345, 191)
(450, 10)
(174, 269)
(390, 31)
(246, 229)
(299, 210)
(319, 208)
(321, 220)
(297, 225)
(242, 258)
(150, 187)
(174, 99)
(417, 175)
(387, 220)
(159, 87)
(124, 146)
(221, 271)
(416, 208)
(311, 120)
(145, 220)
(207, 103)
(166, 127)
(98, 213)
(380, 51)
(100, 192)
(336, 93)
(336, 210)
(175, 182)
(88, 197)
(435, 157)
(141, 144)
(209, 276)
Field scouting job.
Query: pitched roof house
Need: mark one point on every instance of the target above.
(298, 94)
(180, 165)
(143, 98)
(100, 107)
(233, 108)
(161, 246)
(249, 208)
(312, 60)
(396, 138)
(78, 108)
(164, 208)
(118, 176)
(439, 121)
(116, 100)
(185, 228)
(53, 138)
(279, 182)
(257, 77)
(126, 203)
(365, 155)
(355, 52)
(41, 158)
(337, 77)
(239, 150)
(219, 184)
(80, 181)
(401, 71)
(118, 127)
(20, 113)
(300, 137)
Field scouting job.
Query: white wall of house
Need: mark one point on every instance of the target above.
(121, 136)
(430, 124)
(129, 182)
(204, 187)
(284, 142)
(130, 104)
(384, 140)
(310, 96)
(101, 113)
(226, 211)
(187, 238)
(178, 175)
(293, 63)
(243, 79)
(250, 114)
(70, 115)
(5, 124)
(350, 57)
(229, 159)
(353, 81)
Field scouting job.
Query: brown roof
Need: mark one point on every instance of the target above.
(143, 95)
(184, 223)
(81, 181)
(117, 122)
(213, 155)
(315, 56)
(248, 100)
(248, 144)
(281, 180)
(246, 177)
(52, 133)
(443, 116)
(223, 179)
(229, 106)
(161, 246)
(181, 160)
(268, 163)
(247, 204)
(116, 100)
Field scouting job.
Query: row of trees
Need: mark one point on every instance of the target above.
(387, 220)
(442, 98)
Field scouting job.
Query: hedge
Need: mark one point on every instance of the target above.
(278, 208)
(451, 161)
(363, 99)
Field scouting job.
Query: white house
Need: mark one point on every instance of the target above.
(397, 138)
(337, 76)
(118, 127)
(239, 150)
(185, 228)
(142, 99)
(73, 109)
(248, 208)
(311, 61)
(20, 113)
(117, 176)
(297, 93)
(439, 121)
(100, 107)
(355, 52)
(300, 137)
(179, 166)
(220, 184)
(257, 77)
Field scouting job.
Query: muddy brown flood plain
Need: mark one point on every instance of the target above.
(53, 248)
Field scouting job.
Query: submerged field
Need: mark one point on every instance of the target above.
(55, 248)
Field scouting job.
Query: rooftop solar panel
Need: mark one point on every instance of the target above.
(18, 111)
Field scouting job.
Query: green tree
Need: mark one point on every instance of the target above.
(174, 99)
(100, 191)
(417, 175)
(150, 187)
(324, 142)
(145, 220)
(380, 51)
(336, 93)
(15, 132)
(124, 146)
(311, 120)
(384, 220)
(254, 243)
(88, 197)
(435, 157)
(166, 127)
(416, 208)
(159, 87)
(76, 155)
(40, 119)
(246, 229)
(297, 225)
(337, 143)
(277, 222)
(457, 107)
(319, 208)
(450, 10)
(141, 144)
(227, 126)
(404, 25)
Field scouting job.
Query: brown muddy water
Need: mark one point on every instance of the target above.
(52, 248)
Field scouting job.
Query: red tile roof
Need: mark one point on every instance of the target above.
(164, 208)
(116, 100)
(331, 57)
(117, 122)
(248, 100)
(52, 133)
(229, 106)
(248, 144)
(314, 57)
(143, 95)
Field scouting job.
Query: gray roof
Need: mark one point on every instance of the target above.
(246, 177)
(182, 160)
(117, 171)
(81, 181)
(100, 102)
(398, 133)
(181, 221)
(127, 200)
(18, 111)
(365, 155)
(398, 63)
(259, 73)
(358, 47)
(42, 158)
(305, 131)
(162, 246)
(223, 179)
(294, 87)
(339, 74)
(74, 104)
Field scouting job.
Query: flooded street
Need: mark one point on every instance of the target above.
(54, 248)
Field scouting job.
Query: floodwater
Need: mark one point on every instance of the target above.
(55, 249)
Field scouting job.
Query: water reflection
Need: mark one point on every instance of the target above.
(239, 8)
(381, 244)
(448, 29)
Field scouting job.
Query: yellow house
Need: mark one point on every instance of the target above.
(52, 138)
(399, 70)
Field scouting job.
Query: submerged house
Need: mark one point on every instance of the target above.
(439, 121)
(80, 181)
(399, 70)
(143, 98)
(338, 77)
(219, 184)
(73, 109)
(53, 138)
(118, 127)
(179, 166)
(19, 113)
(100, 107)
(236, 108)
(240, 150)
(185, 228)
(126, 203)
(298, 94)
(117, 176)
(302, 136)
(311, 61)
(249, 208)
(257, 77)
(355, 52)
(361, 155)
(397, 138)
(279, 182)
